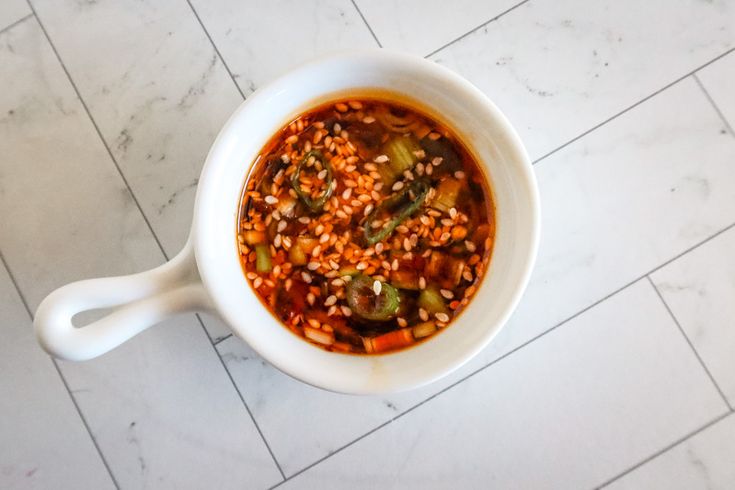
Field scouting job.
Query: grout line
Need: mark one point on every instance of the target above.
(216, 50)
(515, 349)
(694, 350)
(681, 440)
(153, 233)
(615, 116)
(10, 26)
(476, 28)
(714, 104)
(366, 23)
(242, 399)
(220, 340)
(97, 129)
(58, 370)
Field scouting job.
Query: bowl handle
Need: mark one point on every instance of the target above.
(138, 300)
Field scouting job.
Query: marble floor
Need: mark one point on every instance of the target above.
(617, 370)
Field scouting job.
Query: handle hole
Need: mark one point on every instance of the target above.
(84, 318)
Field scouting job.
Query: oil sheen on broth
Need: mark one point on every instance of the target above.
(365, 226)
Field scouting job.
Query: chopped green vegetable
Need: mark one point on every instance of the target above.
(370, 302)
(431, 300)
(446, 194)
(349, 270)
(401, 206)
(263, 258)
(401, 151)
(423, 329)
(313, 204)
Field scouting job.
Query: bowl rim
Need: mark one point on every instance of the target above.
(205, 248)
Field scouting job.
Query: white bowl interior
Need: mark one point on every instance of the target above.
(455, 102)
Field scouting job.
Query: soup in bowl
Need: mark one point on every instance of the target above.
(372, 279)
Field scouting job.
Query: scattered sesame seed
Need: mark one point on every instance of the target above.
(368, 120)
(347, 193)
(310, 298)
(381, 159)
(442, 317)
(423, 314)
(397, 186)
(306, 277)
(346, 311)
(459, 175)
(446, 293)
(257, 282)
(377, 287)
(379, 247)
(361, 266)
(332, 299)
(312, 266)
(422, 282)
(281, 226)
(271, 199)
(470, 246)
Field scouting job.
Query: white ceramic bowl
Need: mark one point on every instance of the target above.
(207, 273)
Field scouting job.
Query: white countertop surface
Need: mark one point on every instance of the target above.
(616, 371)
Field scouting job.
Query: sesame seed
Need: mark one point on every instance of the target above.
(368, 119)
(459, 175)
(444, 237)
(470, 246)
(285, 158)
(281, 226)
(381, 159)
(346, 311)
(312, 266)
(356, 203)
(347, 193)
(375, 195)
(453, 213)
(341, 107)
(277, 240)
(423, 314)
(332, 299)
(310, 298)
(314, 323)
(377, 186)
(317, 250)
(355, 104)
(433, 136)
(276, 215)
(377, 287)
(368, 209)
(331, 311)
(361, 266)
(324, 238)
(333, 264)
(401, 322)
(271, 199)
(429, 170)
(467, 275)
(407, 244)
(446, 293)
(379, 247)
(337, 282)
(257, 282)
(306, 277)
(397, 186)
(252, 276)
(394, 265)
(277, 270)
(436, 161)
(292, 139)
(341, 214)
(447, 222)
(322, 174)
(442, 317)
(336, 128)
(422, 282)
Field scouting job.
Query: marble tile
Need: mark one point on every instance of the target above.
(560, 68)
(719, 78)
(668, 197)
(421, 27)
(300, 422)
(699, 288)
(161, 407)
(38, 451)
(703, 462)
(159, 102)
(12, 11)
(571, 410)
(261, 40)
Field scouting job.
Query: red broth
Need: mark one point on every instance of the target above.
(365, 226)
